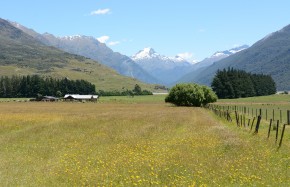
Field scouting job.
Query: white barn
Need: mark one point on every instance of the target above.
(78, 97)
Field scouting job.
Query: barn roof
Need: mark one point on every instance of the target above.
(77, 96)
(50, 97)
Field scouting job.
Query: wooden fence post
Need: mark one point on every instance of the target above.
(253, 123)
(288, 117)
(281, 116)
(258, 122)
(269, 128)
(237, 117)
(282, 135)
(277, 131)
(284, 126)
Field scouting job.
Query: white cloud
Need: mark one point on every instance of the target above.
(188, 56)
(113, 43)
(103, 39)
(101, 12)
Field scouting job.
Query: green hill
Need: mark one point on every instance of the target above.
(21, 54)
(270, 55)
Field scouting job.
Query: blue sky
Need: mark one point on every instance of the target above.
(194, 28)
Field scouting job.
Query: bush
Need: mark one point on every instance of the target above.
(190, 95)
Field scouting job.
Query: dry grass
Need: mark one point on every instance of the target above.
(129, 144)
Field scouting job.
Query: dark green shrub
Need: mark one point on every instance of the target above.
(190, 95)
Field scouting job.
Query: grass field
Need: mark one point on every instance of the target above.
(272, 99)
(138, 141)
(272, 107)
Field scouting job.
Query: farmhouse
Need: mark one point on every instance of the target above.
(77, 97)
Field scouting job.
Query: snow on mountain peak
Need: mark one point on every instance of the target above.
(75, 37)
(149, 54)
(149, 50)
(229, 52)
(146, 53)
(71, 37)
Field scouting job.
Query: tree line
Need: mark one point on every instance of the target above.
(137, 90)
(34, 85)
(232, 83)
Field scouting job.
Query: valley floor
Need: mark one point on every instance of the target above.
(129, 143)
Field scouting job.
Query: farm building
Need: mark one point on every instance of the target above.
(45, 98)
(77, 97)
(49, 98)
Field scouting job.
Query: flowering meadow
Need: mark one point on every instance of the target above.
(131, 144)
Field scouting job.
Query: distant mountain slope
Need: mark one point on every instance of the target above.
(200, 66)
(270, 55)
(165, 69)
(21, 54)
(90, 47)
(218, 56)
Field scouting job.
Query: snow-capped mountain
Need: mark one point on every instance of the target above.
(207, 62)
(218, 56)
(166, 69)
(149, 54)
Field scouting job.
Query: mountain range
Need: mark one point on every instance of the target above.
(24, 51)
(23, 54)
(204, 64)
(270, 55)
(90, 47)
(165, 69)
(146, 65)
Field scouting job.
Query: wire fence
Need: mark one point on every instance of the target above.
(251, 117)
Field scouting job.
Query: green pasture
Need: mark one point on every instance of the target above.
(272, 99)
(272, 107)
(149, 99)
(139, 141)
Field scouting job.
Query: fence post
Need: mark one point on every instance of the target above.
(281, 116)
(284, 126)
(282, 135)
(269, 128)
(237, 118)
(277, 131)
(288, 117)
(253, 123)
(258, 122)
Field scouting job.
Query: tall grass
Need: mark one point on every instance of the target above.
(131, 143)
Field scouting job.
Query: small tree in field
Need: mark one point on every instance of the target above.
(190, 95)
